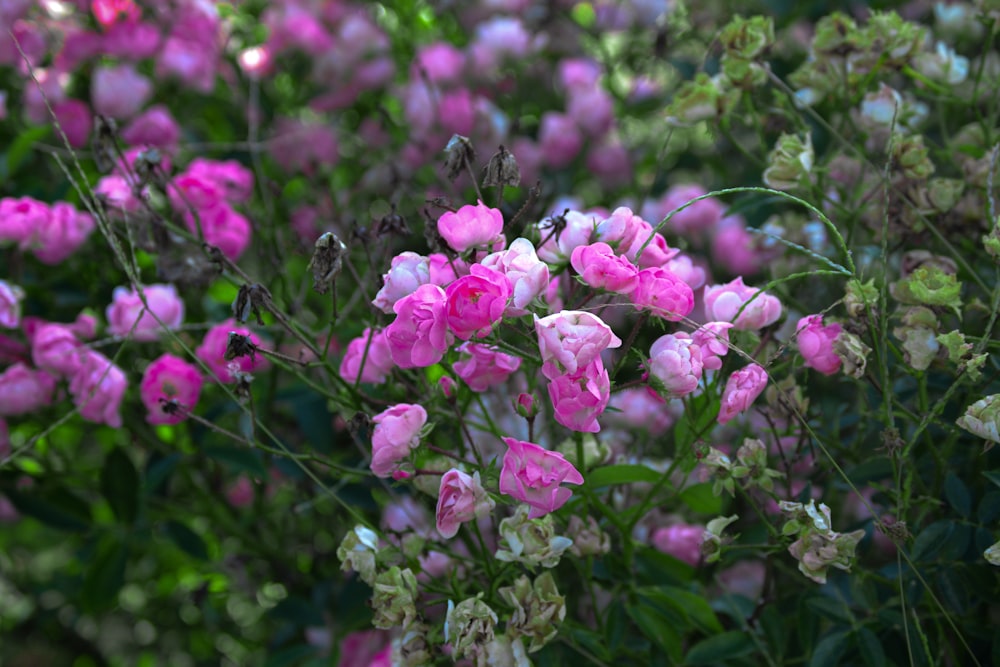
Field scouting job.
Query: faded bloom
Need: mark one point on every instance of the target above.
(461, 498)
(982, 418)
(588, 538)
(531, 542)
(790, 163)
(533, 475)
(538, 609)
(397, 431)
(469, 627)
(127, 315)
(169, 383)
(357, 552)
(213, 347)
(742, 389)
(393, 601)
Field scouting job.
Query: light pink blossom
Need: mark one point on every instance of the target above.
(98, 388)
(56, 349)
(742, 389)
(482, 366)
(471, 227)
(119, 91)
(713, 339)
(377, 364)
(233, 179)
(601, 268)
(698, 218)
(419, 336)
(476, 302)
(556, 246)
(724, 303)
(222, 227)
(815, 343)
(663, 293)
(682, 541)
(19, 218)
(572, 339)
(440, 62)
(528, 275)
(578, 399)
(621, 229)
(445, 270)
(641, 408)
(559, 139)
(532, 475)
(461, 498)
(24, 390)
(407, 272)
(11, 296)
(128, 316)
(169, 383)
(675, 364)
(397, 431)
(734, 249)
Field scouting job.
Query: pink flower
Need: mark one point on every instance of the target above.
(439, 62)
(212, 351)
(482, 366)
(816, 344)
(239, 494)
(397, 431)
(713, 339)
(682, 541)
(640, 408)
(621, 229)
(407, 272)
(533, 474)
(528, 275)
(232, 178)
(664, 294)
(559, 139)
(419, 336)
(445, 270)
(580, 398)
(571, 340)
(456, 113)
(476, 302)
(75, 120)
(377, 364)
(109, 12)
(578, 73)
(592, 109)
(698, 218)
(222, 227)
(19, 218)
(601, 268)
(556, 247)
(684, 268)
(471, 227)
(97, 388)
(609, 160)
(118, 91)
(742, 389)
(24, 390)
(304, 146)
(170, 382)
(56, 349)
(60, 234)
(734, 249)
(723, 302)
(675, 364)
(118, 194)
(128, 316)
(10, 304)
(461, 498)
(132, 41)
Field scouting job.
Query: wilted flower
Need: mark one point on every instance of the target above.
(357, 552)
(982, 418)
(790, 163)
(531, 542)
(469, 627)
(394, 598)
(538, 609)
(853, 353)
(711, 543)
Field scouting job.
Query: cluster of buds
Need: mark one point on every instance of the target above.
(960, 352)
(712, 540)
(750, 468)
(818, 547)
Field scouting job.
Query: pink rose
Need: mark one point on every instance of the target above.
(212, 351)
(580, 398)
(24, 390)
(556, 247)
(407, 272)
(682, 541)
(640, 408)
(621, 228)
(601, 268)
(461, 498)
(304, 146)
(532, 475)
(19, 218)
(571, 340)
(471, 227)
(419, 336)
(578, 73)
(476, 302)
(439, 62)
(664, 294)
(815, 343)
(10, 304)
(592, 109)
(222, 227)
(128, 316)
(232, 178)
(75, 120)
(675, 364)
(654, 254)
(118, 91)
(734, 249)
(456, 113)
(170, 382)
(742, 389)
(97, 388)
(527, 273)
(723, 302)
(445, 270)
(482, 366)
(698, 218)
(684, 268)
(609, 160)
(110, 12)
(377, 363)
(63, 231)
(118, 194)
(239, 493)
(713, 339)
(56, 349)
(559, 139)
(133, 41)
(397, 431)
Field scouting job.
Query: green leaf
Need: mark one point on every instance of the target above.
(186, 540)
(158, 470)
(957, 494)
(614, 626)
(993, 476)
(239, 458)
(52, 509)
(289, 656)
(656, 567)
(298, 611)
(120, 485)
(20, 149)
(931, 539)
(870, 648)
(701, 499)
(833, 609)
(829, 650)
(720, 648)
(989, 507)
(692, 605)
(622, 474)
(104, 577)
(656, 627)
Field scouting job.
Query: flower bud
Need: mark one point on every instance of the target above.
(711, 545)
(911, 157)
(525, 406)
(538, 609)
(357, 552)
(790, 163)
(853, 353)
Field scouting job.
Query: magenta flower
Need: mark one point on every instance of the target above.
(621, 229)
(559, 139)
(482, 366)
(419, 336)
(98, 387)
(664, 294)
(118, 91)
(742, 389)
(557, 248)
(580, 398)
(168, 383)
(222, 227)
(655, 254)
(24, 390)
(397, 431)
(232, 178)
(19, 218)
(528, 275)
(471, 227)
(532, 475)
(734, 249)
(682, 541)
(56, 349)
(601, 268)
(377, 364)
(723, 302)
(153, 127)
(60, 234)
(476, 302)
(571, 340)
(713, 339)
(698, 218)
(407, 272)
(10, 304)
(461, 498)
(445, 270)
(815, 343)
(213, 352)
(128, 316)
(675, 364)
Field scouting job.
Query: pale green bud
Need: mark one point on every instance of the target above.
(860, 297)
(992, 555)
(704, 98)
(357, 553)
(588, 538)
(531, 542)
(538, 610)
(595, 452)
(911, 156)
(394, 598)
(836, 35)
(982, 418)
(853, 353)
(749, 38)
(790, 163)
(928, 286)
(711, 545)
(469, 627)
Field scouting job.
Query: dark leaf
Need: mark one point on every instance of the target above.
(720, 648)
(120, 485)
(186, 540)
